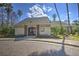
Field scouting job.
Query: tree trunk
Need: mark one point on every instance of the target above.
(7, 19)
(12, 21)
(69, 26)
(59, 18)
(78, 17)
(78, 10)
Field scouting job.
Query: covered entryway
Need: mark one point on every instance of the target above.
(31, 31)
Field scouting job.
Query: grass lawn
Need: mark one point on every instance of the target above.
(74, 37)
(60, 36)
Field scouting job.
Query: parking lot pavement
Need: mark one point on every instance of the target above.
(60, 41)
(36, 48)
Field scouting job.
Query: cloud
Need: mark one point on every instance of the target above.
(69, 13)
(50, 9)
(36, 11)
(47, 9)
(44, 8)
(29, 15)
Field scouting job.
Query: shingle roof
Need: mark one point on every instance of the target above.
(37, 19)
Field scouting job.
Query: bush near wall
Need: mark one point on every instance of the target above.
(56, 32)
(7, 32)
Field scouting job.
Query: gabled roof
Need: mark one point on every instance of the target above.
(37, 19)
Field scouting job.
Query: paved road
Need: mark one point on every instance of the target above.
(34, 48)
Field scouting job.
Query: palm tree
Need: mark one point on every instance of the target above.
(69, 26)
(77, 22)
(59, 18)
(13, 18)
(19, 13)
(12, 23)
(54, 17)
(78, 10)
(8, 9)
(1, 7)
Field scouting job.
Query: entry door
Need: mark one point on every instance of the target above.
(31, 31)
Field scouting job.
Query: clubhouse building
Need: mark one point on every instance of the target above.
(39, 26)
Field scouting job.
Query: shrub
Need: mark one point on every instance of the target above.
(7, 32)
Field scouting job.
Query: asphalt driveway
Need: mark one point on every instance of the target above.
(36, 48)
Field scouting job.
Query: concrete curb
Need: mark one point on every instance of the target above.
(66, 43)
(7, 39)
(57, 41)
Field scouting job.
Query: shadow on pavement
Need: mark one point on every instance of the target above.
(49, 53)
(27, 39)
(61, 52)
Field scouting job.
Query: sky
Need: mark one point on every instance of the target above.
(46, 9)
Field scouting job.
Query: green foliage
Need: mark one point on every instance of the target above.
(7, 32)
(76, 27)
(54, 31)
(57, 31)
(63, 31)
(75, 37)
(11, 31)
(4, 31)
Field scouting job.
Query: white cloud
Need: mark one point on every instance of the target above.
(29, 15)
(47, 9)
(50, 9)
(36, 11)
(69, 13)
(44, 8)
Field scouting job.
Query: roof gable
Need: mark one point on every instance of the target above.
(38, 20)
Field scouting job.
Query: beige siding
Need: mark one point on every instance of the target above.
(19, 31)
(44, 30)
(43, 22)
